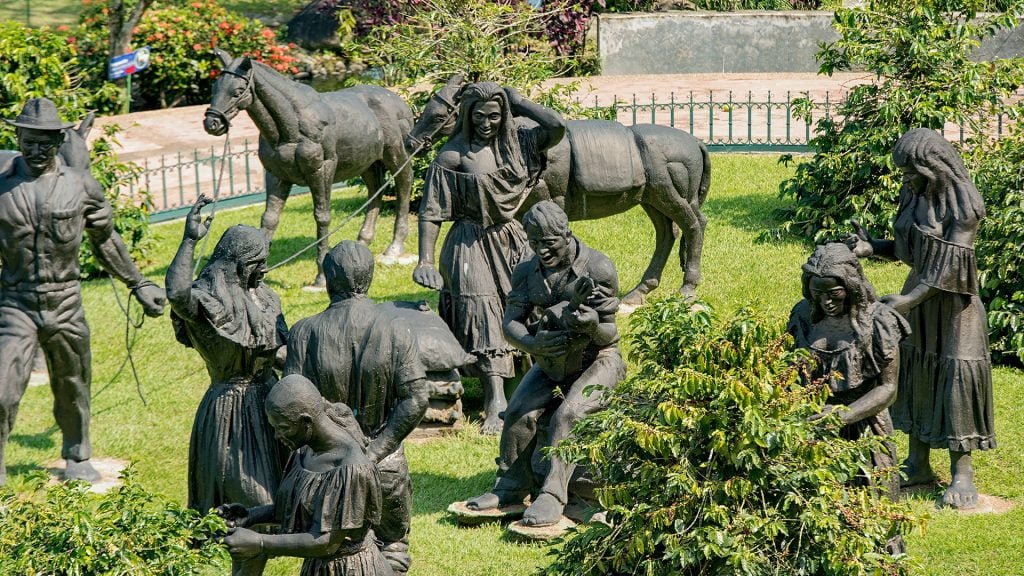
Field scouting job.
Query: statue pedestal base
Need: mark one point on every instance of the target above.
(986, 505)
(467, 517)
(39, 379)
(109, 469)
(400, 260)
(519, 531)
(433, 430)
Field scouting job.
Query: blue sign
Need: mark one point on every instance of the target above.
(129, 63)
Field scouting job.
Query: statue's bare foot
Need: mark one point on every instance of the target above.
(546, 510)
(491, 501)
(961, 494)
(83, 470)
(916, 472)
(491, 425)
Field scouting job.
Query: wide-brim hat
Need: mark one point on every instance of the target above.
(40, 114)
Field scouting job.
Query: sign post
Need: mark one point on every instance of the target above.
(124, 66)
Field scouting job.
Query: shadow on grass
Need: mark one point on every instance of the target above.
(752, 212)
(433, 493)
(42, 440)
(20, 471)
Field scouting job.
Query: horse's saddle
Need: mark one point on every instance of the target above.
(605, 157)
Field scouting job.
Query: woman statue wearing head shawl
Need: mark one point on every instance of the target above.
(234, 321)
(479, 180)
(945, 386)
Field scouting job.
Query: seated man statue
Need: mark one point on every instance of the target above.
(360, 354)
(561, 310)
(45, 207)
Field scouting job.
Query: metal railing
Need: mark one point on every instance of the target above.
(729, 122)
(723, 122)
(174, 182)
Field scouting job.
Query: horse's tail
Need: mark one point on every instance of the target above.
(705, 176)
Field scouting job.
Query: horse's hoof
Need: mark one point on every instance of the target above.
(689, 291)
(319, 284)
(631, 302)
(625, 309)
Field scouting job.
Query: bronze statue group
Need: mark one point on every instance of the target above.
(298, 441)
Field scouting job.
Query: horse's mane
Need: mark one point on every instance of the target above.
(306, 101)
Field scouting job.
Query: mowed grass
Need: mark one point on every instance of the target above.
(737, 270)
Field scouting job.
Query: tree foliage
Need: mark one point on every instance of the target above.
(183, 66)
(480, 39)
(920, 56)
(996, 168)
(39, 62)
(131, 211)
(64, 529)
(711, 468)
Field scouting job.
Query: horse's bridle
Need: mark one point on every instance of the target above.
(222, 115)
(452, 108)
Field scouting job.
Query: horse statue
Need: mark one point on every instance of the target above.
(315, 140)
(73, 152)
(602, 168)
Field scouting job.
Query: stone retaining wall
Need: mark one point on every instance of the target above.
(687, 42)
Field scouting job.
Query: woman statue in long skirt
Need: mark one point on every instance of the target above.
(330, 495)
(945, 386)
(479, 180)
(234, 321)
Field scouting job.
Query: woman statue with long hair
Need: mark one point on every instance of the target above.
(856, 341)
(479, 180)
(945, 386)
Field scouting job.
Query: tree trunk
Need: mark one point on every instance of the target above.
(120, 24)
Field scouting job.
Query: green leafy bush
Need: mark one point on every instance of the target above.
(64, 529)
(919, 53)
(131, 211)
(483, 40)
(710, 467)
(181, 39)
(34, 63)
(996, 168)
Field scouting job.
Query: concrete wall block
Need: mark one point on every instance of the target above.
(686, 42)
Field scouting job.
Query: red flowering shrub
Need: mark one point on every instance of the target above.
(181, 40)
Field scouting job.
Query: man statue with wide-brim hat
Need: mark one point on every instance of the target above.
(45, 207)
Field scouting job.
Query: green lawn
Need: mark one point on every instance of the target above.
(736, 270)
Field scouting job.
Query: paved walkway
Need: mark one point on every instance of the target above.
(170, 138)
